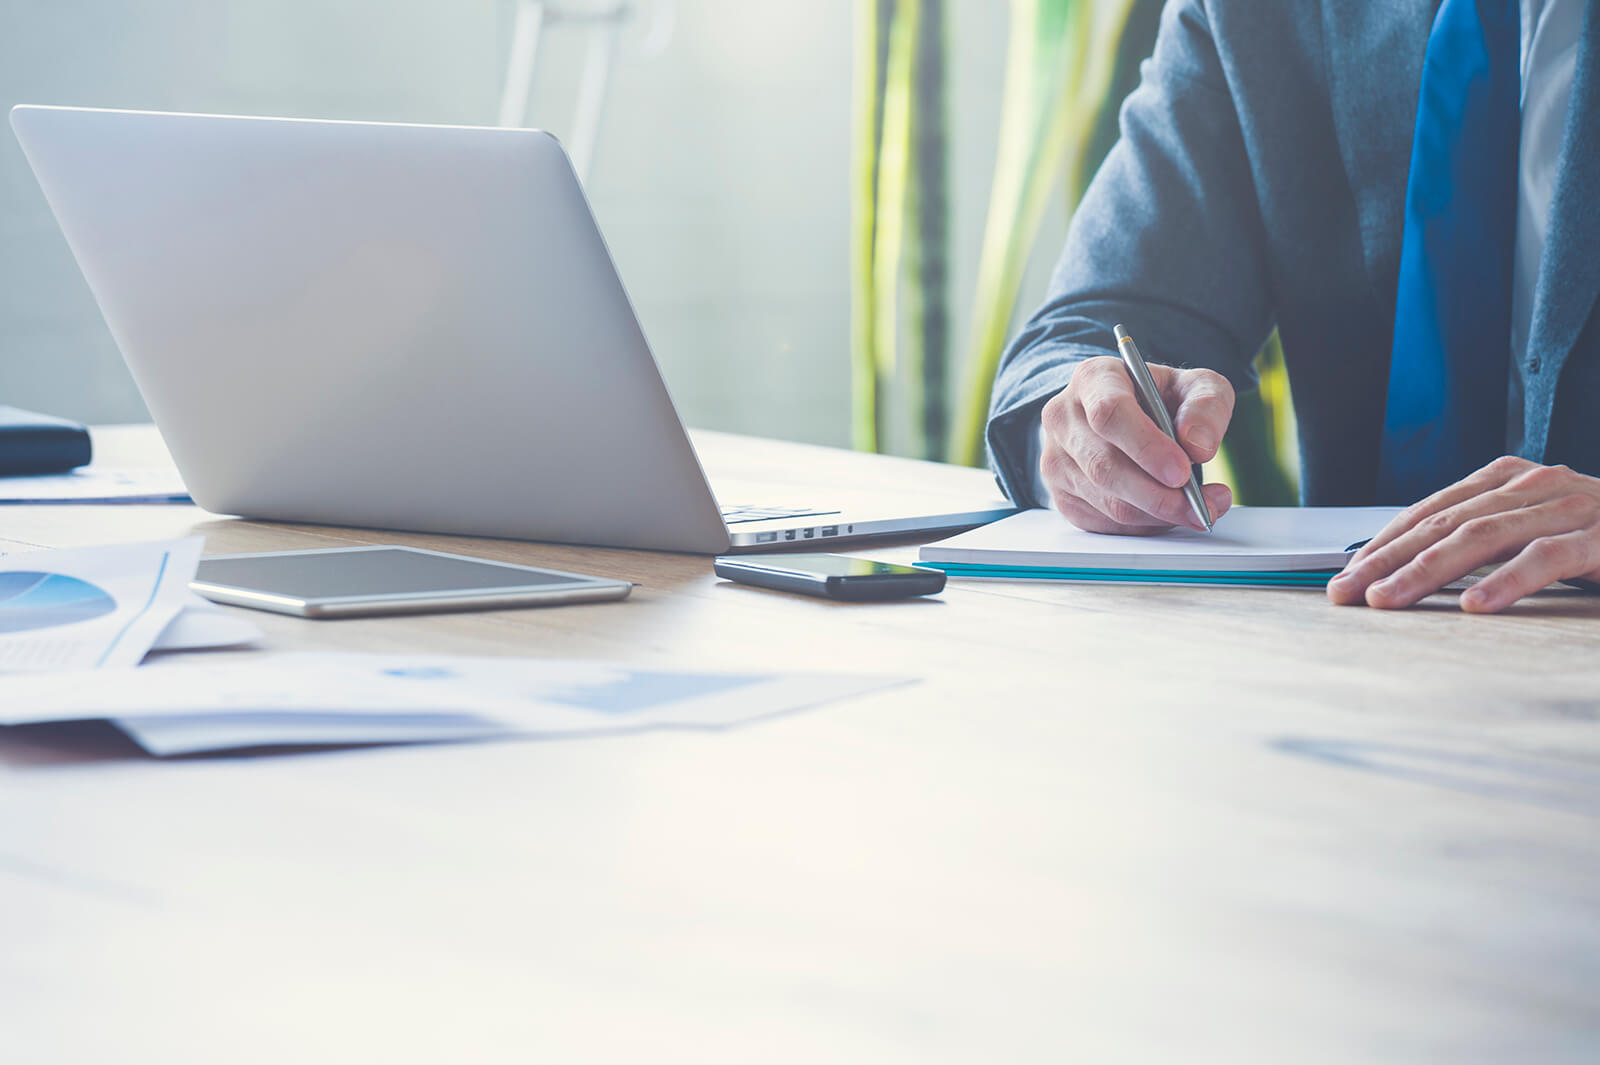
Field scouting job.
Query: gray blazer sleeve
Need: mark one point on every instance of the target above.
(1168, 240)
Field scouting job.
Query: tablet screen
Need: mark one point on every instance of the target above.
(377, 571)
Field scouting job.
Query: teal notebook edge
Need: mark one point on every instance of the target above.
(1267, 579)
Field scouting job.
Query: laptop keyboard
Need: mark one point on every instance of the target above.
(735, 514)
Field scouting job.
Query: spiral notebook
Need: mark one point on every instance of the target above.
(1277, 546)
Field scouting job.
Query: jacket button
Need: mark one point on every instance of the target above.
(1533, 364)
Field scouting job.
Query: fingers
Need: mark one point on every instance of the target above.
(1495, 475)
(1110, 468)
(1478, 541)
(1468, 522)
(1089, 519)
(1095, 477)
(1111, 412)
(1541, 563)
(1205, 407)
(1219, 499)
(1536, 503)
(1487, 517)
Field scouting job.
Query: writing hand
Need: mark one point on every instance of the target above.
(1541, 522)
(1110, 469)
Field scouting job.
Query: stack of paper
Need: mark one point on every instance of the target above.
(106, 607)
(1284, 546)
(295, 699)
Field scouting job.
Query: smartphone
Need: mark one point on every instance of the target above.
(352, 581)
(855, 580)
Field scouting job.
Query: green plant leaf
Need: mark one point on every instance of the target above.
(1259, 453)
(926, 324)
(894, 178)
(1061, 59)
(873, 21)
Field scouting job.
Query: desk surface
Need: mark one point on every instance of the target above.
(1110, 824)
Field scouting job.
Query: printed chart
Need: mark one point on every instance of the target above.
(31, 601)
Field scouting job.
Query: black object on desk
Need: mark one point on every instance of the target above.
(38, 443)
(857, 580)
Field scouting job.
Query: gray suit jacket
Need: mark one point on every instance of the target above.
(1259, 182)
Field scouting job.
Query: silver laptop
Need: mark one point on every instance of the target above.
(409, 327)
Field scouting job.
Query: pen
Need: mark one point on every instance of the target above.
(1150, 400)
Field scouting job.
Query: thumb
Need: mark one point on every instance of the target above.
(1204, 409)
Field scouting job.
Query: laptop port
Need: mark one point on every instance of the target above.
(766, 538)
(808, 533)
(830, 530)
(788, 534)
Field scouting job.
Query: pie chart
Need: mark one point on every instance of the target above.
(45, 600)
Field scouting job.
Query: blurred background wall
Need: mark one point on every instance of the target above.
(720, 177)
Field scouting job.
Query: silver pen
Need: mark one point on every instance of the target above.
(1150, 399)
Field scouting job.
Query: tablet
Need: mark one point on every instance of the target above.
(350, 581)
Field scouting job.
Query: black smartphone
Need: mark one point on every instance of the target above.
(856, 580)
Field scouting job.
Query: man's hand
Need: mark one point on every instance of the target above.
(1110, 469)
(1542, 522)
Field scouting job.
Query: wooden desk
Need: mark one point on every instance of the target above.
(1110, 824)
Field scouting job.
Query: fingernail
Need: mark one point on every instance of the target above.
(1388, 588)
(1173, 474)
(1202, 440)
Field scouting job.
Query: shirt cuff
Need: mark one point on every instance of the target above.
(1041, 493)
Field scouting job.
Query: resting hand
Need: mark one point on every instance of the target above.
(1110, 469)
(1542, 522)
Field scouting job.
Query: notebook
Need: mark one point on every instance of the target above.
(1293, 546)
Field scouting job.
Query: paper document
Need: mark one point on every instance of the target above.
(97, 484)
(176, 734)
(202, 625)
(91, 607)
(269, 700)
(1247, 541)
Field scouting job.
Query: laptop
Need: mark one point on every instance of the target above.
(413, 327)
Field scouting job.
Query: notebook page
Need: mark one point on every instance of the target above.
(1246, 539)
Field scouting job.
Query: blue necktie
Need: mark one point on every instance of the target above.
(1450, 366)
